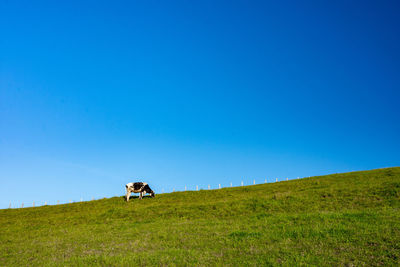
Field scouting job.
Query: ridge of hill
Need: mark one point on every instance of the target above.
(339, 219)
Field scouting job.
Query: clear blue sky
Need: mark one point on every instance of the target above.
(96, 94)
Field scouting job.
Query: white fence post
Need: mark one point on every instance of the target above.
(81, 199)
(242, 183)
(162, 190)
(265, 180)
(287, 179)
(45, 203)
(254, 181)
(22, 205)
(276, 179)
(231, 184)
(9, 205)
(208, 187)
(173, 190)
(197, 188)
(33, 205)
(185, 187)
(219, 186)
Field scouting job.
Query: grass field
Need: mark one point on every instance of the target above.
(341, 219)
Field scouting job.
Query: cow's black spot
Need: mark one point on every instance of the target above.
(137, 185)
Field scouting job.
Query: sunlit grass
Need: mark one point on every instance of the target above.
(340, 219)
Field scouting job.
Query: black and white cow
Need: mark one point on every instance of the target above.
(138, 187)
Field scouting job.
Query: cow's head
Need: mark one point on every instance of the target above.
(152, 194)
(148, 190)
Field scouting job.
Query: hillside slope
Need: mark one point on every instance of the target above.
(340, 219)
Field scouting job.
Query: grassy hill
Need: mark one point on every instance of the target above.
(340, 219)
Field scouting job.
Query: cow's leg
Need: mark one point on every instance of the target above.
(140, 195)
(128, 194)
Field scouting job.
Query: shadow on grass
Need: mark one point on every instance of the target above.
(134, 197)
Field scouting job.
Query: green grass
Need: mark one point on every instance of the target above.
(340, 219)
